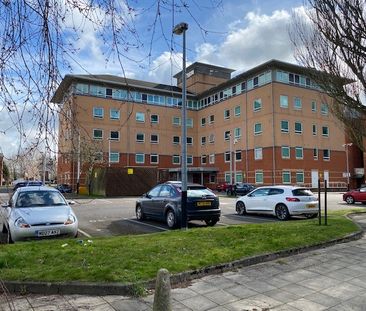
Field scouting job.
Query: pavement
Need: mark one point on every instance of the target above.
(331, 278)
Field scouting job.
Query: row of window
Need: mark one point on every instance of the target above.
(259, 175)
(298, 128)
(258, 155)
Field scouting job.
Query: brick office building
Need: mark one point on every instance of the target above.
(275, 120)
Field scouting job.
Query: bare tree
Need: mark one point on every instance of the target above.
(330, 39)
(40, 42)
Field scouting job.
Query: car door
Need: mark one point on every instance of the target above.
(361, 195)
(150, 201)
(162, 200)
(256, 201)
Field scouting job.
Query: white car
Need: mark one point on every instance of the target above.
(280, 201)
(37, 213)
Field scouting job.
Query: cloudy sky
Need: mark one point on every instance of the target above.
(237, 34)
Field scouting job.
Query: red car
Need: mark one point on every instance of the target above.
(222, 187)
(356, 195)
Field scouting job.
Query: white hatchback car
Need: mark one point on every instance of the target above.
(37, 213)
(280, 201)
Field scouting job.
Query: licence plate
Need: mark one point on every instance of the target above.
(310, 205)
(204, 203)
(48, 232)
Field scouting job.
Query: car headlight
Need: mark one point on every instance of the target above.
(70, 220)
(21, 223)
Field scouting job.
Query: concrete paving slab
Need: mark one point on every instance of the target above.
(306, 305)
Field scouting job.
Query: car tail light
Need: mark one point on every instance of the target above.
(292, 199)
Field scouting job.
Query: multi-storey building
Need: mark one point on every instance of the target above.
(268, 125)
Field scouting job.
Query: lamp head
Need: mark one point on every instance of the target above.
(180, 28)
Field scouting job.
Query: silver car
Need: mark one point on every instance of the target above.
(36, 213)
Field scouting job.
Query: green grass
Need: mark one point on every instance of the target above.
(138, 258)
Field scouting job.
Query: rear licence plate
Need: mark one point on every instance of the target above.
(203, 203)
(48, 232)
(310, 205)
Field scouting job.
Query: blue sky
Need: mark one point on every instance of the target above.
(240, 34)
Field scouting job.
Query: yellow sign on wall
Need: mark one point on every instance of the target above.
(130, 171)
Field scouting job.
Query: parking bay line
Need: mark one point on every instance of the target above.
(145, 224)
(84, 233)
(243, 217)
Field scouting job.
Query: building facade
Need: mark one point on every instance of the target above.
(268, 125)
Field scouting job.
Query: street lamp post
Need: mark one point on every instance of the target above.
(347, 164)
(179, 29)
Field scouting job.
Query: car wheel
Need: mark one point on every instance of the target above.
(240, 208)
(171, 219)
(350, 200)
(139, 214)
(211, 222)
(310, 216)
(282, 212)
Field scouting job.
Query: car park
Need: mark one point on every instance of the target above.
(37, 213)
(64, 188)
(355, 195)
(163, 202)
(280, 201)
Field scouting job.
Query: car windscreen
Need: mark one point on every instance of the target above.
(39, 198)
(198, 192)
(302, 192)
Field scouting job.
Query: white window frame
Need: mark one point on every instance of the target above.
(282, 99)
(327, 131)
(139, 140)
(284, 130)
(175, 157)
(237, 111)
(211, 158)
(157, 158)
(260, 131)
(97, 138)
(114, 139)
(153, 121)
(259, 173)
(227, 114)
(258, 153)
(154, 142)
(114, 110)
(138, 155)
(176, 121)
(300, 173)
(257, 104)
(298, 148)
(298, 131)
(297, 103)
(111, 158)
(288, 173)
(176, 143)
(289, 152)
(140, 117)
(98, 115)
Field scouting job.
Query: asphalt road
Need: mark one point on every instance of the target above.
(116, 216)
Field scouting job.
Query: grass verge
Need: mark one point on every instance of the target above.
(138, 258)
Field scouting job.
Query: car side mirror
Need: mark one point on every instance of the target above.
(5, 205)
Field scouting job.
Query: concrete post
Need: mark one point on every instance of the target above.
(162, 297)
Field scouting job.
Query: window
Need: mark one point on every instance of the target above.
(297, 103)
(154, 138)
(257, 104)
(286, 177)
(176, 159)
(114, 114)
(140, 117)
(108, 93)
(98, 112)
(300, 177)
(227, 156)
(140, 158)
(227, 135)
(203, 159)
(324, 109)
(259, 177)
(283, 101)
(176, 121)
(212, 119)
(285, 152)
(299, 153)
(239, 177)
(237, 111)
(315, 153)
(228, 178)
(258, 153)
(284, 126)
(325, 131)
(203, 121)
(140, 137)
(298, 128)
(326, 154)
(154, 158)
(237, 155)
(211, 158)
(211, 138)
(189, 122)
(114, 135)
(237, 132)
(257, 128)
(154, 118)
(189, 160)
(203, 140)
(189, 140)
(212, 178)
(314, 130)
(114, 157)
(97, 134)
(176, 140)
(227, 114)
(313, 106)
